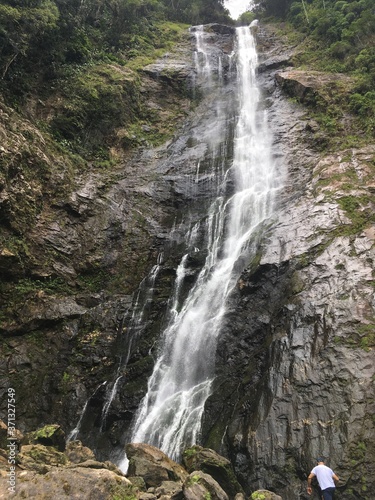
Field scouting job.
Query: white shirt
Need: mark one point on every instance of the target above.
(324, 476)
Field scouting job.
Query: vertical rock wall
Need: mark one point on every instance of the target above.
(296, 360)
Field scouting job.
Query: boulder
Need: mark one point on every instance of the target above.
(210, 462)
(265, 495)
(73, 483)
(169, 489)
(200, 485)
(153, 465)
(49, 435)
(77, 453)
(44, 472)
(39, 458)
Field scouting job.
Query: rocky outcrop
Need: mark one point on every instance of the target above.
(153, 465)
(77, 482)
(313, 87)
(44, 471)
(218, 467)
(201, 485)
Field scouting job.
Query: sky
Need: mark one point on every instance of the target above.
(236, 7)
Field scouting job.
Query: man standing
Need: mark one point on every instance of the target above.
(326, 479)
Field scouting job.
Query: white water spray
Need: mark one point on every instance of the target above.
(170, 414)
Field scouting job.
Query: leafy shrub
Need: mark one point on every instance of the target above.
(363, 105)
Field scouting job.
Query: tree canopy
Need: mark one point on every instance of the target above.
(341, 38)
(41, 34)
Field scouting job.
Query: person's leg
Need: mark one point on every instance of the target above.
(328, 493)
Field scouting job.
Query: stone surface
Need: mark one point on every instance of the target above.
(153, 465)
(75, 483)
(210, 462)
(44, 472)
(200, 485)
(49, 435)
(77, 453)
(308, 86)
(264, 495)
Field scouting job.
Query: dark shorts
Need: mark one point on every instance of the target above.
(328, 493)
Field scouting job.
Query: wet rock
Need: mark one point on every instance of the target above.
(275, 62)
(41, 310)
(221, 29)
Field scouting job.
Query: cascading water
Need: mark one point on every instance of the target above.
(136, 323)
(170, 414)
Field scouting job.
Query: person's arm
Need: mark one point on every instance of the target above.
(335, 478)
(309, 489)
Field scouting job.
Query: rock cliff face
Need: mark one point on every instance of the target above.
(295, 361)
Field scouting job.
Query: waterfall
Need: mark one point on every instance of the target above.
(142, 301)
(170, 414)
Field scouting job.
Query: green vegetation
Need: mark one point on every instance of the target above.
(258, 496)
(359, 210)
(363, 337)
(81, 61)
(43, 39)
(337, 37)
(50, 286)
(367, 334)
(190, 452)
(194, 479)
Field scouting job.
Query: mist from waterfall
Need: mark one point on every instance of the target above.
(170, 414)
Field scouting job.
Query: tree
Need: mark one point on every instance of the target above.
(21, 26)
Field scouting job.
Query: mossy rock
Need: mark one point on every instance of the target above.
(218, 467)
(49, 435)
(39, 458)
(264, 495)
